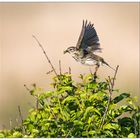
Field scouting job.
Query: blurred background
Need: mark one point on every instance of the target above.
(57, 26)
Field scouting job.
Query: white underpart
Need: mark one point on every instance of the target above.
(100, 63)
(90, 62)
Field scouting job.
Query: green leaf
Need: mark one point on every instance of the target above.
(88, 78)
(110, 126)
(33, 116)
(91, 86)
(109, 134)
(38, 116)
(103, 85)
(30, 127)
(92, 132)
(121, 97)
(17, 135)
(90, 111)
(84, 133)
(125, 122)
(77, 122)
(2, 135)
(35, 131)
(64, 89)
(69, 99)
(97, 96)
(89, 120)
(83, 95)
(125, 108)
(131, 135)
(45, 95)
(78, 112)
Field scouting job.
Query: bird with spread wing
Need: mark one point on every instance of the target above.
(87, 45)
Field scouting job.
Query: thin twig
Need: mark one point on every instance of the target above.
(17, 122)
(37, 100)
(45, 54)
(60, 67)
(106, 109)
(37, 103)
(21, 118)
(27, 88)
(135, 125)
(20, 114)
(10, 123)
(139, 122)
(49, 72)
(69, 70)
(110, 89)
(114, 78)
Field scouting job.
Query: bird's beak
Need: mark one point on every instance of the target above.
(66, 51)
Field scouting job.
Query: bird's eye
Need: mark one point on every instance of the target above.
(71, 49)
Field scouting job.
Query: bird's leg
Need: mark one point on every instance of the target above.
(95, 73)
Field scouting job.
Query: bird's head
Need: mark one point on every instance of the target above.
(70, 50)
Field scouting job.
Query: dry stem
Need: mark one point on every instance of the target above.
(21, 118)
(60, 70)
(111, 87)
(45, 54)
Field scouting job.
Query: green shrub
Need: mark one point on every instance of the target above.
(79, 109)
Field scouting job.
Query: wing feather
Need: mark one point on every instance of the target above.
(81, 34)
(88, 38)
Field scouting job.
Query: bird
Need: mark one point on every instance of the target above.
(86, 47)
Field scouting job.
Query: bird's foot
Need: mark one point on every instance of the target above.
(94, 77)
(95, 73)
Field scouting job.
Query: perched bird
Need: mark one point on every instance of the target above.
(87, 45)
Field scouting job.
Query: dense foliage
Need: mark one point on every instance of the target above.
(85, 109)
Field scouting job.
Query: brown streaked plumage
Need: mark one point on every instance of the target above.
(87, 45)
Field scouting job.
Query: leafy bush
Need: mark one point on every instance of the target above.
(79, 109)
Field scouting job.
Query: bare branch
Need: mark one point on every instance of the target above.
(17, 122)
(21, 118)
(49, 72)
(114, 78)
(110, 89)
(37, 103)
(20, 115)
(10, 122)
(69, 70)
(60, 67)
(26, 88)
(45, 54)
(37, 100)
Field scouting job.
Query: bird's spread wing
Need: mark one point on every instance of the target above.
(81, 34)
(88, 39)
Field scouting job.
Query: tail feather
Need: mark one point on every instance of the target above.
(108, 65)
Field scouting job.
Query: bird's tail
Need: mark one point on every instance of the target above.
(108, 65)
